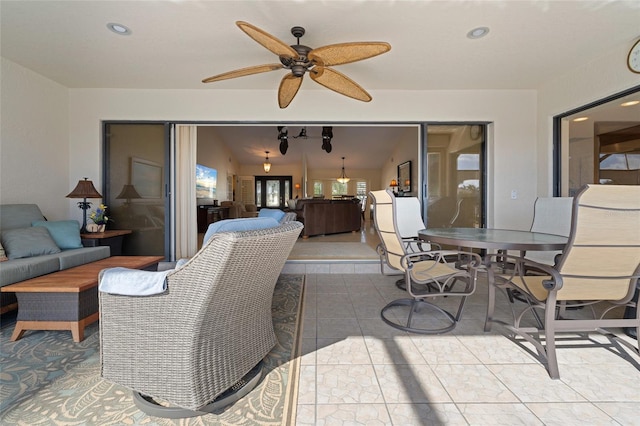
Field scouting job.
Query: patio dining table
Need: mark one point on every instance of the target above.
(497, 239)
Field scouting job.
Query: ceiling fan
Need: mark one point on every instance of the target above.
(301, 59)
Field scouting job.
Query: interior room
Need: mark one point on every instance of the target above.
(177, 112)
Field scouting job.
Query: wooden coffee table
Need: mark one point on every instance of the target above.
(67, 300)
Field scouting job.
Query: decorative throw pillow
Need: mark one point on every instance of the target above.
(65, 233)
(3, 255)
(28, 242)
(244, 224)
(277, 214)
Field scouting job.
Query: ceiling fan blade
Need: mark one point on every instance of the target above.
(338, 82)
(344, 53)
(273, 44)
(289, 86)
(243, 71)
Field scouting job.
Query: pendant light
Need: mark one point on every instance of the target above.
(343, 177)
(266, 164)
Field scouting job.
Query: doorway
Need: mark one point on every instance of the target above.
(273, 191)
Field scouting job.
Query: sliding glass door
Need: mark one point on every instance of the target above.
(455, 170)
(136, 182)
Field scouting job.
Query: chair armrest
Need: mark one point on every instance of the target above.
(132, 282)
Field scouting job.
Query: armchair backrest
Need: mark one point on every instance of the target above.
(409, 217)
(552, 215)
(385, 222)
(604, 244)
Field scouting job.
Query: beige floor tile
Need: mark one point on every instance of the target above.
(498, 414)
(444, 349)
(531, 383)
(426, 414)
(496, 349)
(603, 382)
(351, 350)
(347, 384)
(337, 328)
(375, 327)
(570, 414)
(626, 413)
(308, 351)
(473, 383)
(307, 385)
(410, 384)
(396, 350)
(352, 414)
(306, 415)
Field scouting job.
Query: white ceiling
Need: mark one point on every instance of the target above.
(175, 44)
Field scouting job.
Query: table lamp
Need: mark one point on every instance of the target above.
(84, 189)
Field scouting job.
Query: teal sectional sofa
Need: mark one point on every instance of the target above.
(38, 250)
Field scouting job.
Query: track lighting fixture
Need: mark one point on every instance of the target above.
(284, 139)
(302, 134)
(327, 135)
(266, 165)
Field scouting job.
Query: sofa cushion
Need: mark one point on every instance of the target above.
(76, 257)
(244, 224)
(277, 214)
(14, 216)
(23, 269)
(65, 233)
(28, 242)
(3, 255)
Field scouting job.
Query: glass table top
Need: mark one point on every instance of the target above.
(482, 238)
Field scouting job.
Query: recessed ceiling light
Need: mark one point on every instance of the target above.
(119, 28)
(630, 103)
(581, 119)
(478, 32)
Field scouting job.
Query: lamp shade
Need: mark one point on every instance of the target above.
(128, 192)
(84, 189)
(393, 183)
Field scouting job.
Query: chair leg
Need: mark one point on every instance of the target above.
(413, 305)
(550, 340)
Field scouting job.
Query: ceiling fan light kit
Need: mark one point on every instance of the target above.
(300, 59)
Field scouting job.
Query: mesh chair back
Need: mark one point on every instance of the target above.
(604, 244)
(384, 206)
(408, 216)
(551, 215)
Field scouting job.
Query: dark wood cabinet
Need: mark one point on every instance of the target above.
(208, 214)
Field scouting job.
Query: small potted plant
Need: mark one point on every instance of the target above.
(100, 218)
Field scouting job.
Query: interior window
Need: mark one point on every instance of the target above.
(598, 143)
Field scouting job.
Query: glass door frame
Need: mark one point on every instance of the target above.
(262, 180)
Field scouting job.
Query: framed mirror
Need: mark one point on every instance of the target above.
(404, 177)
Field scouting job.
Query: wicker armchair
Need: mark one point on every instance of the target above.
(210, 328)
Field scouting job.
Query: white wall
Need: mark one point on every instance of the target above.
(34, 143)
(513, 112)
(34, 125)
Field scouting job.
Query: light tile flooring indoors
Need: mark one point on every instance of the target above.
(355, 369)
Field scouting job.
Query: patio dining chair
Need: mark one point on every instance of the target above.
(197, 344)
(427, 274)
(599, 269)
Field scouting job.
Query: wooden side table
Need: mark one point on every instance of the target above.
(112, 238)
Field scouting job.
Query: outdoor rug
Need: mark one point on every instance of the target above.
(48, 379)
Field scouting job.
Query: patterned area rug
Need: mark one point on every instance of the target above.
(47, 378)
